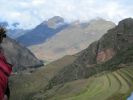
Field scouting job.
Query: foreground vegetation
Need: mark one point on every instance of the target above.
(24, 85)
(115, 85)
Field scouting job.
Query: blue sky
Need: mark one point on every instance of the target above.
(131, 97)
(29, 13)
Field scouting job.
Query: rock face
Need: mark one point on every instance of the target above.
(74, 38)
(19, 56)
(114, 40)
(112, 49)
(105, 55)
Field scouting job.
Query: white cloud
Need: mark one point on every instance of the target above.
(32, 12)
(38, 2)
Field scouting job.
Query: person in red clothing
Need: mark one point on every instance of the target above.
(5, 70)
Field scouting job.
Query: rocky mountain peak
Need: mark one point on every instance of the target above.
(125, 25)
(55, 22)
(109, 45)
(56, 19)
(115, 40)
(128, 22)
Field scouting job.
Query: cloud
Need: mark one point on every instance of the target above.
(29, 13)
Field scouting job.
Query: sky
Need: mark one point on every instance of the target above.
(30, 13)
(131, 97)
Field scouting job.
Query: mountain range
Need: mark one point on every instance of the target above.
(12, 30)
(42, 32)
(15, 33)
(102, 71)
(73, 38)
(55, 38)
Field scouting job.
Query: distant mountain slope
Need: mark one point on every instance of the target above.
(42, 32)
(15, 33)
(76, 37)
(19, 55)
(12, 30)
(4, 24)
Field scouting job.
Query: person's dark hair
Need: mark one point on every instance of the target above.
(2, 32)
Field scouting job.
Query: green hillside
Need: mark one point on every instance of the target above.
(115, 85)
(25, 84)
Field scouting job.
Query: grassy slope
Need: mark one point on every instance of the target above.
(23, 86)
(115, 85)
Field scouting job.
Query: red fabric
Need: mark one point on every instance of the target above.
(5, 71)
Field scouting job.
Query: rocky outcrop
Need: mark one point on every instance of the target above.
(107, 47)
(101, 55)
(19, 56)
(105, 55)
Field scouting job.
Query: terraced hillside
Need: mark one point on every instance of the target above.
(115, 85)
